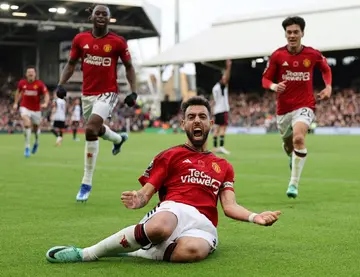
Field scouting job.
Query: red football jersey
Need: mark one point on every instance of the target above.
(30, 94)
(99, 58)
(297, 70)
(183, 175)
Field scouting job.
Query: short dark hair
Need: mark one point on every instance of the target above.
(91, 8)
(195, 101)
(30, 67)
(291, 20)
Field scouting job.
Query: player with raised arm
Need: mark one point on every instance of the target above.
(220, 94)
(30, 91)
(292, 67)
(59, 117)
(189, 180)
(99, 51)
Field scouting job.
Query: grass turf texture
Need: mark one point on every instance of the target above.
(317, 235)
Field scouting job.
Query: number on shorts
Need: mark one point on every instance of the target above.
(305, 112)
(105, 96)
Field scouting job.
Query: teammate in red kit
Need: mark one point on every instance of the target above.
(99, 51)
(189, 180)
(30, 90)
(292, 66)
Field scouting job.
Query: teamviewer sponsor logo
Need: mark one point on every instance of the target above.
(201, 178)
(96, 60)
(296, 76)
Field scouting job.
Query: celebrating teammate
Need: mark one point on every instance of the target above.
(189, 181)
(292, 66)
(99, 51)
(58, 117)
(30, 91)
(221, 109)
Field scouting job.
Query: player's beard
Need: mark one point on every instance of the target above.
(196, 142)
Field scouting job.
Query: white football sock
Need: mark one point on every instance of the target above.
(121, 242)
(297, 166)
(27, 132)
(91, 152)
(111, 135)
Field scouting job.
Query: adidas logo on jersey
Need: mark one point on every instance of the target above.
(86, 46)
(285, 64)
(187, 161)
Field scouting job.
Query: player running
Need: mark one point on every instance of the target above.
(292, 66)
(75, 118)
(221, 109)
(59, 118)
(189, 180)
(99, 51)
(30, 91)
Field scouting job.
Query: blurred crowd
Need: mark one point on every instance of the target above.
(247, 110)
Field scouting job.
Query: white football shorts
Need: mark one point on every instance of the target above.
(101, 105)
(35, 116)
(287, 121)
(191, 223)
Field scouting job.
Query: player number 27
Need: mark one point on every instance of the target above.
(305, 112)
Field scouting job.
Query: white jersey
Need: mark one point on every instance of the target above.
(221, 98)
(76, 114)
(60, 112)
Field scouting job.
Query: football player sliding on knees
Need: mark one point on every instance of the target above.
(292, 67)
(189, 180)
(99, 51)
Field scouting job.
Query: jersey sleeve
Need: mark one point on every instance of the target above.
(229, 179)
(20, 85)
(322, 64)
(156, 172)
(43, 89)
(270, 71)
(124, 52)
(75, 51)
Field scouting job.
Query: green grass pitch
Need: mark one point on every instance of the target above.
(317, 234)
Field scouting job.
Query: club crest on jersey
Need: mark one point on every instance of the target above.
(216, 167)
(36, 87)
(107, 48)
(307, 63)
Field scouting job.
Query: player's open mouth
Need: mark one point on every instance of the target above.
(100, 22)
(197, 132)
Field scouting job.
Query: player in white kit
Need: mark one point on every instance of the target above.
(59, 118)
(221, 109)
(75, 118)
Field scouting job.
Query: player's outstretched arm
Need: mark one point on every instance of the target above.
(138, 199)
(235, 211)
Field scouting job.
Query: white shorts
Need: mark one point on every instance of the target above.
(101, 105)
(191, 223)
(35, 116)
(287, 121)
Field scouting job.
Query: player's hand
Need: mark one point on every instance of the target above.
(60, 92)
(131, 199)
(15, 106)
(325, 93)
(267, 218)
(130, 100)
(228, 63)
(44, 105)
(280, 87)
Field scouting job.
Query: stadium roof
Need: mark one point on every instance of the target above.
(326, 29)
(23, 21)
